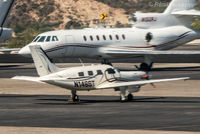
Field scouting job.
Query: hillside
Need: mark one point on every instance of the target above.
(31, 17)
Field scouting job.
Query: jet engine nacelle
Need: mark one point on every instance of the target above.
(161, 36)
(5, 34)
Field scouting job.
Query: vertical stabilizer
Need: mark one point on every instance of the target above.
(5, 9)
(180, 5)
(42, 62)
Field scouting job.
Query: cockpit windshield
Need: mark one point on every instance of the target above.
(36, 38)
(42, 39)
(45, 39)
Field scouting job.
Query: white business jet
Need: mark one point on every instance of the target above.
(151, 35)
(86, 78)
(5, 9)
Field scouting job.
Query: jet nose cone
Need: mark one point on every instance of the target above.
(25, 51)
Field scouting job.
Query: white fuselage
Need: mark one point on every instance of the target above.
(87, 43)
(89, 77)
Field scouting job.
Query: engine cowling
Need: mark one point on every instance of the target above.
(161, 36)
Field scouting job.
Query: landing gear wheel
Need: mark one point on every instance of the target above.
(145, 67)
(130, 97)
(74, 98)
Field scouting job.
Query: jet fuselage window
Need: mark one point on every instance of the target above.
(85, 38)
(36, 39)
(42, 39)
(91, 38)
(99, 72)
(98, 37)
(54, 38)
(117, 37)
(123, 36)
(81, 74)
(110, 37)
(104, 37)
(90, 73)
(48, 39)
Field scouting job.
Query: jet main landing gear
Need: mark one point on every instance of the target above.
(146, 67)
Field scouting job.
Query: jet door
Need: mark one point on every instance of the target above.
(69, 49)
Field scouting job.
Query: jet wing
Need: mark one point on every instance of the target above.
(136, 83)
(187, 12)
(118, 52)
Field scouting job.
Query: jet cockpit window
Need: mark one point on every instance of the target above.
(54, 38)
(111, 71)
(81, 74)
(48, 39)
(42, 39)
(99, 72)
(90, 73)
(36, 38)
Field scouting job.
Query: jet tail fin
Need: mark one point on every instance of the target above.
(180, 5)
(43, 64)
(5, 9)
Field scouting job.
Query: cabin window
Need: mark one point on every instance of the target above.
(110, 37)
(85, 38)
(117, 37)
(42, 39)
(123, 36)
(81, 74)
(91, 38)
(111, 71)
(48, 39)
(98, 37)
(104, 37)
(36, 39)
(90, 73)
(99, 72)
(55, 38)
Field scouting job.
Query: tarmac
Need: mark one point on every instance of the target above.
(170, 108)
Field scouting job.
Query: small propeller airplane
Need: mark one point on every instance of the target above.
(86, 78)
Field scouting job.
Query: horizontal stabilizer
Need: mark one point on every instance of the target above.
(136, 83)
(26, 78)
(187, 13)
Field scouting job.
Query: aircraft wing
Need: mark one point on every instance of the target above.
(187, 12)
(136, 83)
(27, 78)
(118, 52)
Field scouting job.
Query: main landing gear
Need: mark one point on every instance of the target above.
(124, 98)
(74, 96)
